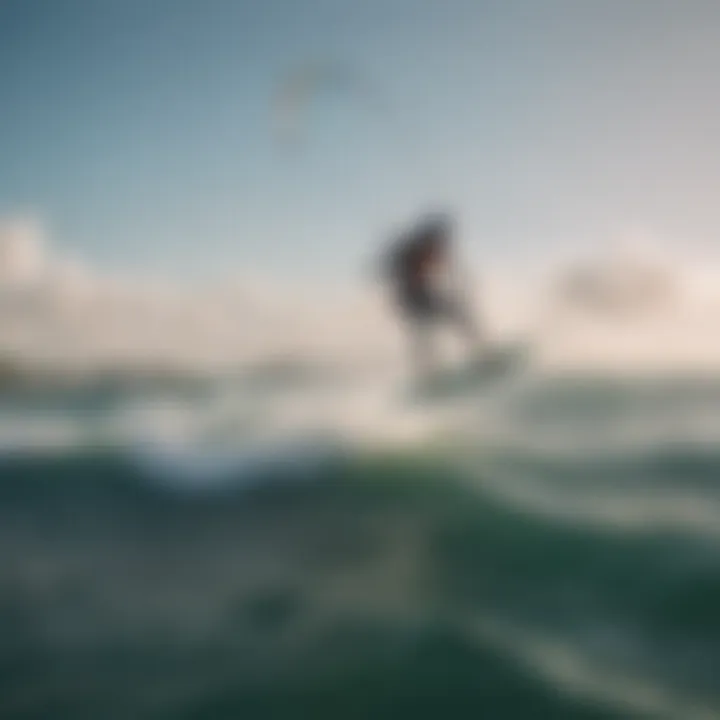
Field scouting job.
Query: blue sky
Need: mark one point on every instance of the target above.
(140, 130)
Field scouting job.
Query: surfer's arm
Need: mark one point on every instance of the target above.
(462, 284)
(459, 283)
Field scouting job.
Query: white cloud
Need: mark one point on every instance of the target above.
(22, 252)
(56, 309)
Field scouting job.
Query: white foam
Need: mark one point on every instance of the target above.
(577, 673)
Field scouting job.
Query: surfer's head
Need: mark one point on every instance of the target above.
(434, 233)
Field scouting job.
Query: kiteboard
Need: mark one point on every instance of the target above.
(489, 366)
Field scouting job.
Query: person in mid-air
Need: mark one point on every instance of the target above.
(419, 268)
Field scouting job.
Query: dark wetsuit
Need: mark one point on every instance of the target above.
(410, 265)
(410, 270)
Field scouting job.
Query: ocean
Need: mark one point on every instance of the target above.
(295, 544)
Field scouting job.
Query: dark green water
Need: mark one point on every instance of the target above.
(382, 586)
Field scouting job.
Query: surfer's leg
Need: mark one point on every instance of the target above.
(422, 348)
(459, 315)
(418, 312)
